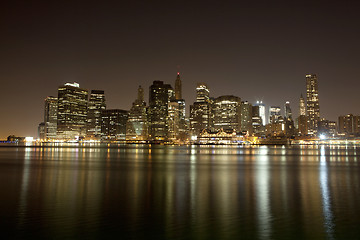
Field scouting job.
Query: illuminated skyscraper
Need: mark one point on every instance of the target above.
(302, 107)
(72, 111)
(312, 102)
(137, 126)
(95, 106)
(200, 111)
(227, 113)
(262, 112)
(288, 113)
(176, 114)
(274, 114)
(256, 121)
(160, 95)
(50, 118)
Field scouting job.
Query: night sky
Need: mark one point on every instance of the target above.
(256, 50)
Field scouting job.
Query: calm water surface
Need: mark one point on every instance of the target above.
(180, 192)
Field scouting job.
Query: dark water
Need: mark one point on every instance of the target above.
(181, 192)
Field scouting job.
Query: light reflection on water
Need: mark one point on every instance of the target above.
(206, 192)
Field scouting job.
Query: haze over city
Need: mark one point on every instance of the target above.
(257, 51)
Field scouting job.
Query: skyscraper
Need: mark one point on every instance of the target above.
(302, 107)
(137, 126)
(256, 121)
(227, 113)
(96, 105)
(50, 118)
(176, 114)
(72, 111)
(312, 102)
(302, 119)
(246, 117)
(288, 113)
(262, 112)
(113, 124)
(178, 89)
(200, 111)
(160, 95)
(274, 114)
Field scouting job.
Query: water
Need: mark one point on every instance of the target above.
(180, 192)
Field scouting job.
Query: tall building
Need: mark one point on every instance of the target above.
(137, 126)
(246, 117)
(288, 113)
(200, 111)
(178, 94)
(274, 114)
(227, 113)
(302, 121)
(256, 121)
(176, 114)
(72, 111)
(41, 131)
(349, 125)
(302, 106)
(312, 102)
(113, 124)
(50, 118)
(160, 95)
(262, 112)
(95, 106)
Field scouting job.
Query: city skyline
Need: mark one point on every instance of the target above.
(256, 51)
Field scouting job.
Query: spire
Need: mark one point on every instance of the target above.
(140, 93)
(178, 87)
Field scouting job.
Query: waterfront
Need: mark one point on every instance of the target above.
(181, 192)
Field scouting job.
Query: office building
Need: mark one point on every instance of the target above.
(50, 118)
(227, 113)
(262, 112)
(41, 131)
(302, 120)
(200, 111)
(160, 95)
(95, 106)
(137, 126)
(274, 114)
(287, 109)
(246, 117)
(176, 114)
(256, 121)
(72, 112)
(312, 103)
(113, 124)
(349, 125)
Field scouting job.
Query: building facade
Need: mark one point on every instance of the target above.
(349, 125)
(312, 103)
(50, 118)
(274, 114)
(95, 106)
(227, 113)
(113, 124)
(246, 117)
(72, 112)
(200, 111)
(160, 95)
(137, 126)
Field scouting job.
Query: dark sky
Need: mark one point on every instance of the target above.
(255, 50)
